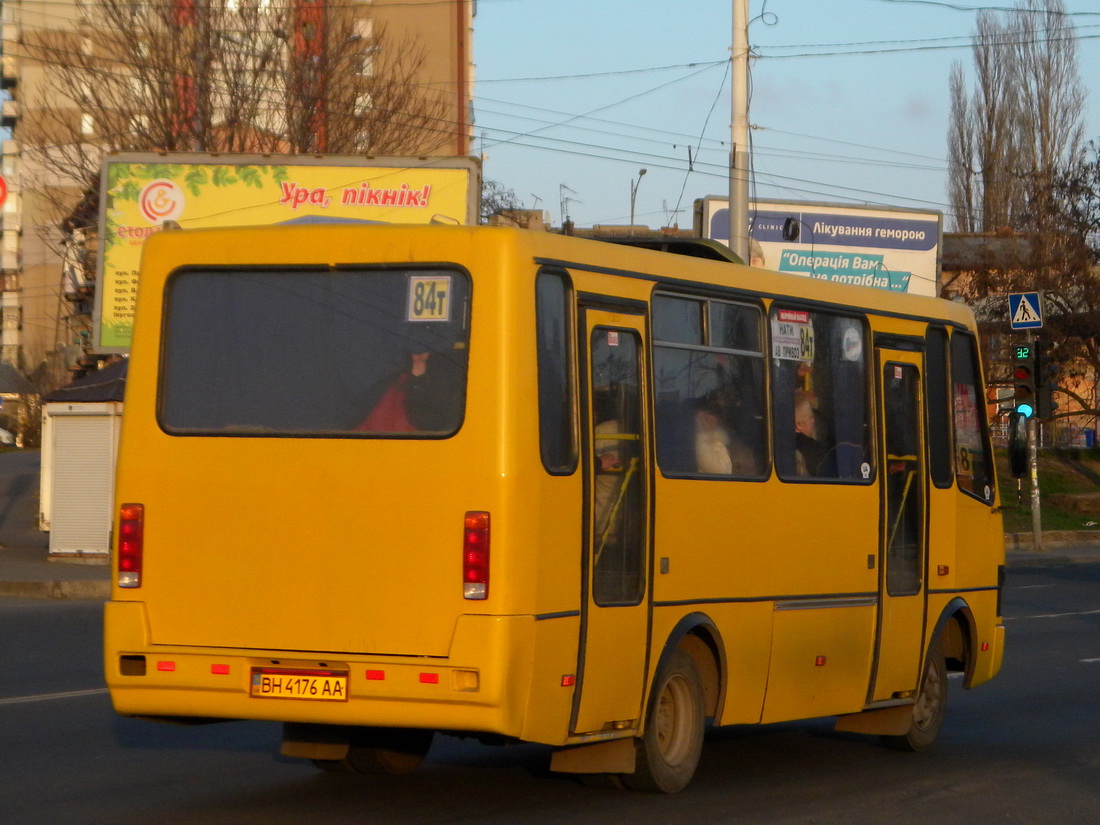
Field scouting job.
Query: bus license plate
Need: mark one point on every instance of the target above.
(323, 686)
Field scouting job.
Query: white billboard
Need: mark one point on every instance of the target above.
(888, 248)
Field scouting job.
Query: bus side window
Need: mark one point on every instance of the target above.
(557, 440)
(709, 367)
(973, 462)
(937, 399)
(819, 396)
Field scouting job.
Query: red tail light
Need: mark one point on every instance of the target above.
(475, 556)
(131, 544)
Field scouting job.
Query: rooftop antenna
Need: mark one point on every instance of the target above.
(564, 201)
(670, 214)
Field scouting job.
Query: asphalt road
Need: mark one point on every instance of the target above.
(1024, 748)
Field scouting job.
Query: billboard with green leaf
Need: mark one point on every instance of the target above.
(142, 194)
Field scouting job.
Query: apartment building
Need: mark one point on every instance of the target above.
(47, 253)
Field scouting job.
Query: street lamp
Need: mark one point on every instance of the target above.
(634, 193)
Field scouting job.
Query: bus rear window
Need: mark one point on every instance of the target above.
(351, 353)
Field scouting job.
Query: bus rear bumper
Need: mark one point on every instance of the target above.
(472, 689)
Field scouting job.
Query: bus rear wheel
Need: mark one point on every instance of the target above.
(669, 751)
(381, 751)
(929, 709)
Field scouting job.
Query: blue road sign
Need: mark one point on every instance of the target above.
(1025, 310)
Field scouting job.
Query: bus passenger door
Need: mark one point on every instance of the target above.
(615, 607)
(902, 550)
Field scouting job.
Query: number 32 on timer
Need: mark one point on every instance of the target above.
(429, 298)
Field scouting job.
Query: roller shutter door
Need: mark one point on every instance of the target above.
(82, 486)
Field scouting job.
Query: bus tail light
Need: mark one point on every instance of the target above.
(131, 544)
(475, 555)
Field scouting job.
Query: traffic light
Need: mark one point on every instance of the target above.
(1023, 379)
(1046, 371)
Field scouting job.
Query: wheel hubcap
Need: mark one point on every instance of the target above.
(928, 703)
(674, 720)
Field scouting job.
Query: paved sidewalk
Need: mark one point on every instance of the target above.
(1059, 547)
(26, 568)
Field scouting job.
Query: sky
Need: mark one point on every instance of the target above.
(849, 101)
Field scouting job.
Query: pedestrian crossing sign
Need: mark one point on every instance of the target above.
(1024, 310)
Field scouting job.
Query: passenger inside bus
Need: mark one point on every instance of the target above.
(608, 477)
(425, 395)
(812, 456)
(717, 450)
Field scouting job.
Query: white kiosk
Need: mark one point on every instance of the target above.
(79, 452)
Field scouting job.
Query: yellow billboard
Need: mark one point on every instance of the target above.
(142, 194)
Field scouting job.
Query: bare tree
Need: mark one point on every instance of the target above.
(1052, 95)
(996, 102)
(224, 76)
(1012, 142)
(962, 184)
(496, 197)
(1056, 252)
(1022, 121)
(1064, 262)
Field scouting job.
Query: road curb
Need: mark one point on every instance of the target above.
(98, 590)
(1029, 559)
(1053, 538)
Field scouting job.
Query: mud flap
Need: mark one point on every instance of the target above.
(893, 721)
(616, 756)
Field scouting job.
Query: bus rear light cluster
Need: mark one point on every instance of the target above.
(131, 544)
(475, 555)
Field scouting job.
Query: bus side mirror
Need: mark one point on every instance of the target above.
(1017, 444)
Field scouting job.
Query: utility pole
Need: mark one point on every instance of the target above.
(1033, 471)
(739, 132)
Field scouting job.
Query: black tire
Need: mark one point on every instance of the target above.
(929, 709)
(669, 750)
(381, 751)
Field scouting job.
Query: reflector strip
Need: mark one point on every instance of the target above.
(219, 670)
(429, 678)
(167, 667)
(376, 675)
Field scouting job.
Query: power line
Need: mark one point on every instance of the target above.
(618, 102)
(617, 73)
(1072, 37)
(516, 136)
(959, 7)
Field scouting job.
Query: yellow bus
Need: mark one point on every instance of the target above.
(378, 482)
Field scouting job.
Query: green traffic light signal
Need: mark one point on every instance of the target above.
(1023, 378)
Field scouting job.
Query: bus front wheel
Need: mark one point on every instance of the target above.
(669, 751)
(929, 709)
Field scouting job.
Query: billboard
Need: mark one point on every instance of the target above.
(142, 194)
(888, 248)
